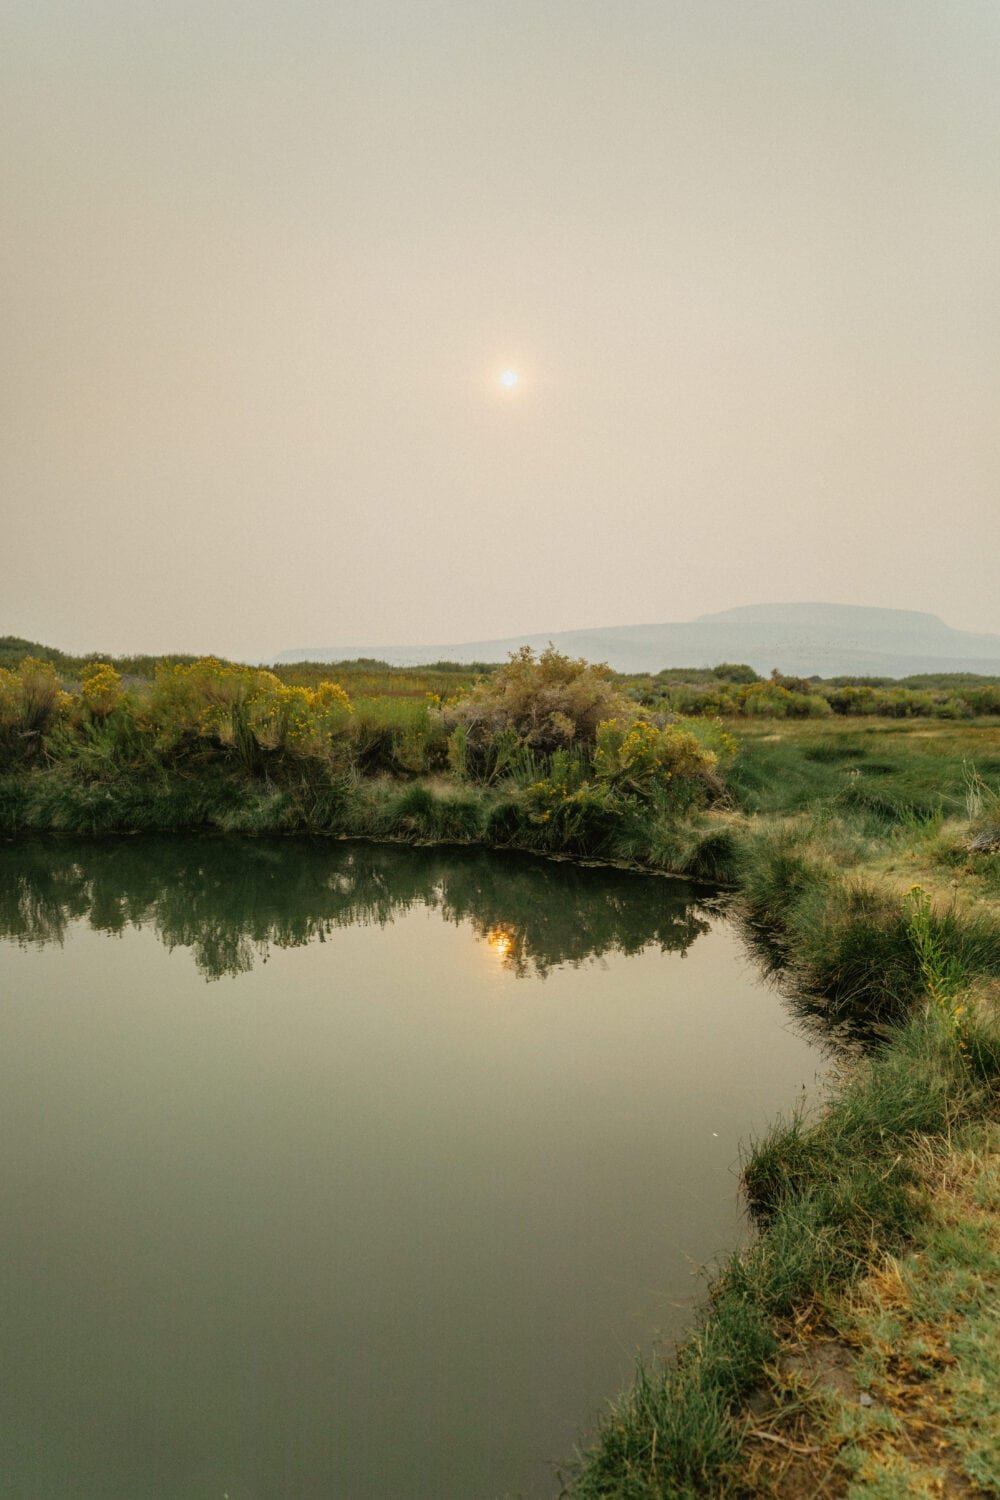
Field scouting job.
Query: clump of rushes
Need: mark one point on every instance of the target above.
(416, 812)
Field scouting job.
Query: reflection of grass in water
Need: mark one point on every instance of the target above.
(229, 900)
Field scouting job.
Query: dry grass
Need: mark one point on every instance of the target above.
(891, 1388)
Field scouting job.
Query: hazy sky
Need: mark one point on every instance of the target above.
(263, 265)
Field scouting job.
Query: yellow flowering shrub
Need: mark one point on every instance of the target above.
(248, 709)
(102, 690)
(331, 699)
(573, 811)
(637, 757)
(302, 721)
(565, 779)
(193, 699)
(29, 703)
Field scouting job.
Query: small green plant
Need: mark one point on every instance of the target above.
(458, 752)
(939, 969)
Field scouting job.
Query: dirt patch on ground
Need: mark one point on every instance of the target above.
(796, 1445)
(788, 1452)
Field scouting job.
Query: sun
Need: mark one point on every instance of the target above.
(510, 380)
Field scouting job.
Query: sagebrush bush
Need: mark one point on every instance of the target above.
(549, 701)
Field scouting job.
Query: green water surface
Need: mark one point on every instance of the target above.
(343, 1171)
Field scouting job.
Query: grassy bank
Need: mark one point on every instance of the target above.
(429, 810)
(833, 1197)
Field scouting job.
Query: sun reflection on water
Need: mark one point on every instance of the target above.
(500, 940)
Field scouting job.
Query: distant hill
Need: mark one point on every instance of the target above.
(826, 640)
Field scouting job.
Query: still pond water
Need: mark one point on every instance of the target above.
(352, 1173)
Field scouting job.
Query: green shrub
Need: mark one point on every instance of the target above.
(570, 812)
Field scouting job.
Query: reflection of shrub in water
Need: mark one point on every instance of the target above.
(229, 901)
(561, 914)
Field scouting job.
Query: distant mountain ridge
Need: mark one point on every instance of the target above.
(828, 640)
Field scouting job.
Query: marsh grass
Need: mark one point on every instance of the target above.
(881, 773)
(843, 937)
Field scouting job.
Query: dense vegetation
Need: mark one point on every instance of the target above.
(544, 753)
(728, 690)
(548, 753)
(735, 691)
